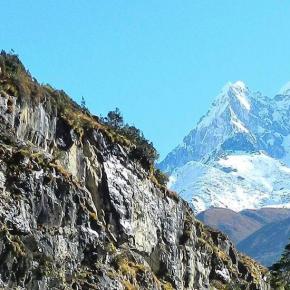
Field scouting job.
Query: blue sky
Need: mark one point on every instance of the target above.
(161, 62)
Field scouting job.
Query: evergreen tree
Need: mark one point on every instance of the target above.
(143, 151)
(115, 119)
(281, 271)
(83, 105)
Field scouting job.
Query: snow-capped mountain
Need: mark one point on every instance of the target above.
(238, 156)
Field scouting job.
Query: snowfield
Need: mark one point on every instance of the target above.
(237, 182)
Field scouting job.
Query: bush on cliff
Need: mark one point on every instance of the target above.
(143, 150)
(17, 81)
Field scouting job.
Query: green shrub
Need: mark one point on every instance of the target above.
(142, 149)
(161, 177)
(17, 81)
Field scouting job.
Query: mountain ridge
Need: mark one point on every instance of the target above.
(244, 126)
(267, 244)
(260, 233)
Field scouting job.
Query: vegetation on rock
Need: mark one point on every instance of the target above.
(17, 81)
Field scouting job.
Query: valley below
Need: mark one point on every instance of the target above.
(261, 234)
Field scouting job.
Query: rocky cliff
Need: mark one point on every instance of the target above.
(78, 212)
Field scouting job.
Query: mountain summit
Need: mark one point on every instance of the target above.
(238, 155)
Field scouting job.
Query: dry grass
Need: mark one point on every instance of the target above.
(111, 248)
(254, 268)
(93, 216)
(129, 286)
(167, 286)
(169, 193)
(128, 267)
(14, 242)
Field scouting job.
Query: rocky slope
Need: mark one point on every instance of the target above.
(78, 212)
(237, 156)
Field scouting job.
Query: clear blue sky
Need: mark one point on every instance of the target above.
(161, 62)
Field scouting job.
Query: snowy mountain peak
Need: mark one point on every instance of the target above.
(227, 116)
(239, 126)
(237, 91)
(240, 85)
(233, 99)
(237, 87)
(285, 90)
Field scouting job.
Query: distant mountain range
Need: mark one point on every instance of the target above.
(238, 155)
(261, 234)
(234, 169)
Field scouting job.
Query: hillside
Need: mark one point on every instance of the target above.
(240, 225)
(234, 224)
(261, 234)
(237, 156)
(82, 207)
(267, 244)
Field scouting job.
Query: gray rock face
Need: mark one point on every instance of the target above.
(77, 213)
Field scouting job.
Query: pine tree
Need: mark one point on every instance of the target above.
(83, 105)
(281, 271)
(115, 118)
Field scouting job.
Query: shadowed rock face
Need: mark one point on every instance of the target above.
(77, 213)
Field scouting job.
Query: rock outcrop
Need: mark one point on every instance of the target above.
(77, 212)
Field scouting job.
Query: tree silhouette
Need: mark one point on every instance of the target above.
(115, 119)
(281, 271)
(84, 105)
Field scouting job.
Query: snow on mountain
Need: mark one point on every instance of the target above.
(238, 155)
(235, 181)
(285, 90)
